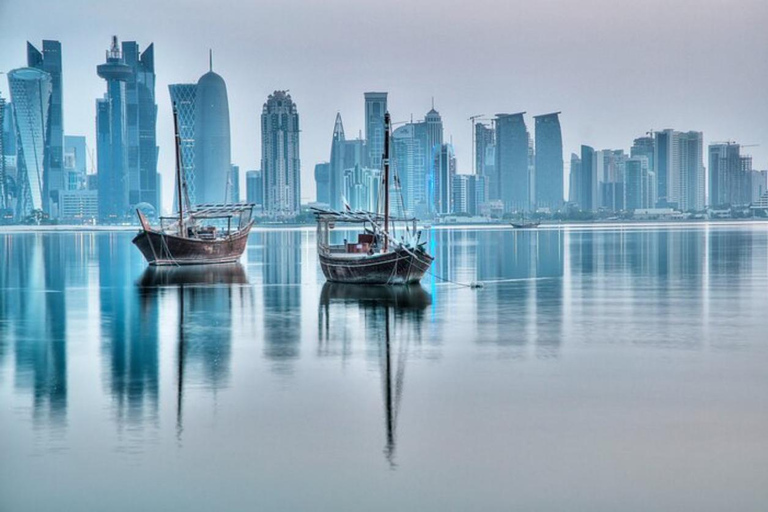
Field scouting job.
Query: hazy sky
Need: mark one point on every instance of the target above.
(615, 68)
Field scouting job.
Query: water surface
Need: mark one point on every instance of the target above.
(597, 370)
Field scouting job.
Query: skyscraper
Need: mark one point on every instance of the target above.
(280, 162)
(411, 162)
(549, 162)
(141, 126)
(8, 155)
(639, 184)
(588, 189)
(512, 174)
(574, 181)
(678, 157)
(445, 170)
(375, 108)
(49, 60)
(212, 138)
(183, 98)
(3, 179)
(336, 166)
(112, 137)
(31, 91)
(322, 182)
(610, 165)
(485, 160)
(254, 188)
(730, 180)
(74, 162)
(232, 194)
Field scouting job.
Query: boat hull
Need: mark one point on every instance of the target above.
(396, 267)
(162, 249)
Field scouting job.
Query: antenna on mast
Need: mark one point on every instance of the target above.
(210, 59)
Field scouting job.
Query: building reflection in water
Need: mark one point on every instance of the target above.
(33, 319)
(393, 319)
(281, 285)
(205, 297)
(129, 334)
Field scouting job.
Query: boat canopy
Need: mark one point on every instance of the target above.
(354, 217)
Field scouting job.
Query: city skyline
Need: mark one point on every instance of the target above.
(602, 113)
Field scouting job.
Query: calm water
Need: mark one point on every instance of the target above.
(598, 370)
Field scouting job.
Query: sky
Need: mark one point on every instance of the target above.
(614, 68)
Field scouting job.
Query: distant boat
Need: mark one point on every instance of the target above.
(206, 234)
(377, 256)
(525, 225)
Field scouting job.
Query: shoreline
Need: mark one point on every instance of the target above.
(24, 229)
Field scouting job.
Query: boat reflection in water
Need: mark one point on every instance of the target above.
(393, 317)
(205, 296)
(231, 273)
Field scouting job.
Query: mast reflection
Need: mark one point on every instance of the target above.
(393, 316)
(205, 297)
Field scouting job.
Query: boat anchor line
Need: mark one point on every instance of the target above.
(473, 285)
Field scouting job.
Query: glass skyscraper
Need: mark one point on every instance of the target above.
(112, 138)
(212, 149)
(549, 162)
(31, 91)
(375, 107)
(512, 176)
(322, 182)
(588, 189)
(445, 170)
(280, 163)
(183, 98)
(49, 60)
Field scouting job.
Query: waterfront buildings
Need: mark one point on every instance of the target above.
(468, 194)
(610, 169)
(31, 90)
(485, 159)
(49, 61)
(411, 163)
(361, 189)
(444, 171)
(730, 176)
(678, 161)
(126, 121)
(280, 161)
(345, 154)
(75, 159)
(511, 168)
(322, 182)
(4, 183)
(254, 188)
(640, 184)
(375, 108)
(548, 162)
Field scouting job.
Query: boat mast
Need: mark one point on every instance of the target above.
(385, 161)
(178, 169)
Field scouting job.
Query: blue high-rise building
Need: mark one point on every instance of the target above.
(49, 60)
(254, 188)
(74, 162)
(445, 170)
(375, 108)
(212, 138)
(588, 187)
(141, 126)
(512, 175)
(31, 91)
(549, 162)
(322, 182)
(183, 97)
(112, 138)
(337, 166)
(411, 163)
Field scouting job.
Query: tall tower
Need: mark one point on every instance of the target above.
(49, 60)
(141, 125)
(375, 107)
(280, 161)
(512, 176)
(549, 162)
(212, 138)
(31, 91)
(336, 171)
(183, 96)
(111, 137)
(588, 189)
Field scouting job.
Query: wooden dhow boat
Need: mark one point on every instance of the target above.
(205, 234)
(377, 256)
